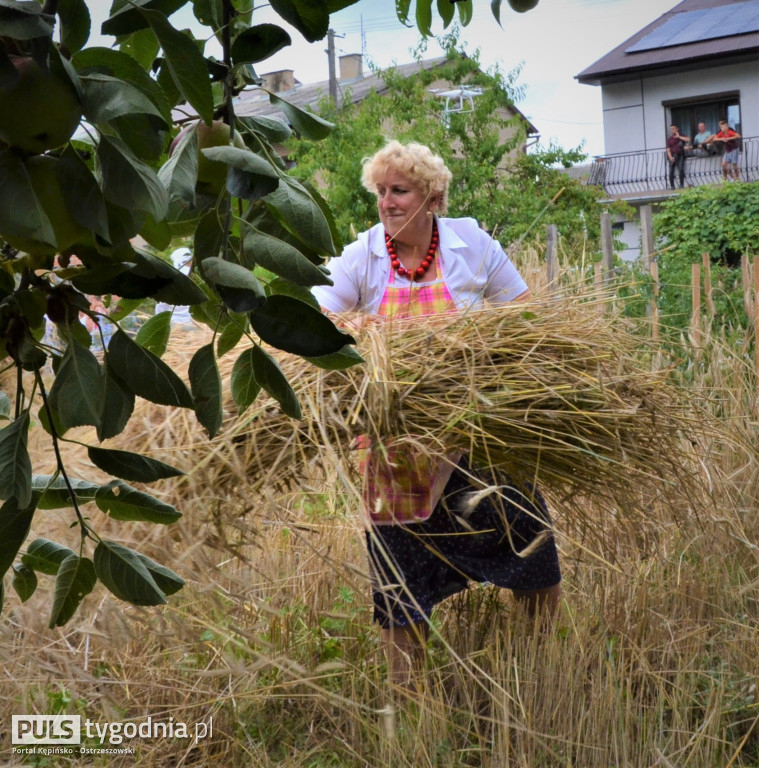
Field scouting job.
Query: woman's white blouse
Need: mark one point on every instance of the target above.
(474, 265)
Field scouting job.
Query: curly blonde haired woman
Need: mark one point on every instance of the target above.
(416, 262)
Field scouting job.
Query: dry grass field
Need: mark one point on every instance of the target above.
(652, 662)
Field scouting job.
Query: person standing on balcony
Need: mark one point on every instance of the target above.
(676, 155)
(703, 140)
(730, 158)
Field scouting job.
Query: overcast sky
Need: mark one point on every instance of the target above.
(555, 41)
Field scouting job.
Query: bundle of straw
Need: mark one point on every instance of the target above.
(556, 391)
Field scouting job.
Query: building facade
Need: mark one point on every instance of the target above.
(697, 63)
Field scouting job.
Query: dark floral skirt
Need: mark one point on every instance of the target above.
(504, 538)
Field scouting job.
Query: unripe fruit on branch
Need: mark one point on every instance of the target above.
(40, 110)
(212, 174)
(521, 6)
(52, 200)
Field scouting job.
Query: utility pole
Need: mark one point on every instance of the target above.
(331, 59)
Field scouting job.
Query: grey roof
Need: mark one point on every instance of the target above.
(256, 101)
(622, 63)
(305, 96)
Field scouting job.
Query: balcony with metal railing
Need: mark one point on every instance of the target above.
(637, 174)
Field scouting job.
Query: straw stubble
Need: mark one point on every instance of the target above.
(552, 391)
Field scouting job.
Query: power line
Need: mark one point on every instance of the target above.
(377, 26)
(565, 122)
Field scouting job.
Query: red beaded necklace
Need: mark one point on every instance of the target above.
(420, 271)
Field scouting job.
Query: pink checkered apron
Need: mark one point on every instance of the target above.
(398, 482)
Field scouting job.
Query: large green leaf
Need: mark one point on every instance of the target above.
(131, 466)
(154, 333)
(76, 331)
(32, 305)
(21, 214)
(231, 334)
(143, 48)
(328, 214)
(185, 63)
(109, 61)
(211, 313)
(424, 17)
(243, 384)
(124, 222)
(495, 7)
(286, 288)
(166, 81)
(118, 312)
(347, 357)
(54, 493)
(446, 10)
(237, 286)
(205, 383)
(309, 17)
(209, 237)
(31, 357)
(281, 258)
(79, 389)
(127, 181)
(293, 204)
(24, 21)
(180, 172)
(24, 581)
(210, 13)
(271, 128)
(119, 279)
(45, 556)
(15, 522)
(307, 124)
(168, 581)
(145, 374)
(76, 579)
(75, 24)
(291, 325)
(44, 420)
(15, 465)
(125, 575)
(269, 375)
(333, 6)
(259, 42)
(143, 134)
(402, 9)
(156, 233)
(122, 502)
(127, 16)
(465, 11)
(118, 404)
(251, 177)
(87, 206)
(175, 286)
(107, 97)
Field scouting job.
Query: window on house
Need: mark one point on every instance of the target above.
(687, 114)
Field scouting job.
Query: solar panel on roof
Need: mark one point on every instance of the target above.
(706, 24)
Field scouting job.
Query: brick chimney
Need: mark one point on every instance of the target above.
(281, 80)
(351, 67)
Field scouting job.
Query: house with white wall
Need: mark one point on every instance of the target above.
(698, 62)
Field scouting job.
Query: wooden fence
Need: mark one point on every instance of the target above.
(701, 280)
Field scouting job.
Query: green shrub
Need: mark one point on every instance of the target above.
(720, 221)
